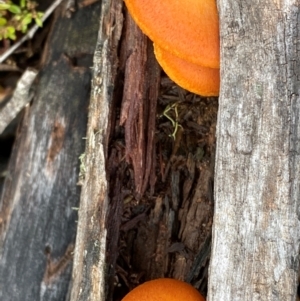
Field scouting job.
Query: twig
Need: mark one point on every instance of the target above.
(20, 99)
(30, 33)
(5, 67)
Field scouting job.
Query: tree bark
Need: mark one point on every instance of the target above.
(256, 222)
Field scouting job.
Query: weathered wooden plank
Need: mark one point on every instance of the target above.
(38, 221)
(256, 223)
(90, 252)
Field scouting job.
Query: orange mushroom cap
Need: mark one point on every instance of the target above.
(187, 28)
(164, 289)
(194, 78)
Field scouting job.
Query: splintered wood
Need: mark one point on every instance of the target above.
(139, 104)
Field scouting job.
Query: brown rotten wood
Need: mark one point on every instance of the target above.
(146, 203)
(138, 114)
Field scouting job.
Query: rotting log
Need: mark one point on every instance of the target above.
(38, 218)
(256, 222)
(97, 240)
(126, 236)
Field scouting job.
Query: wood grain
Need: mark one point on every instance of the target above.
(256, 223)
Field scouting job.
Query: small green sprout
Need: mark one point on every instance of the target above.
(175, 123)
(15, 17)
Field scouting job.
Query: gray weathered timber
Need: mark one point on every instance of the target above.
(89, 270)
(37, 214)
(256, 223)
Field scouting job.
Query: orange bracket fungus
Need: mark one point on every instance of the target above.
(194, 78)
(186, 38)
(164, 289)
(189, 28)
